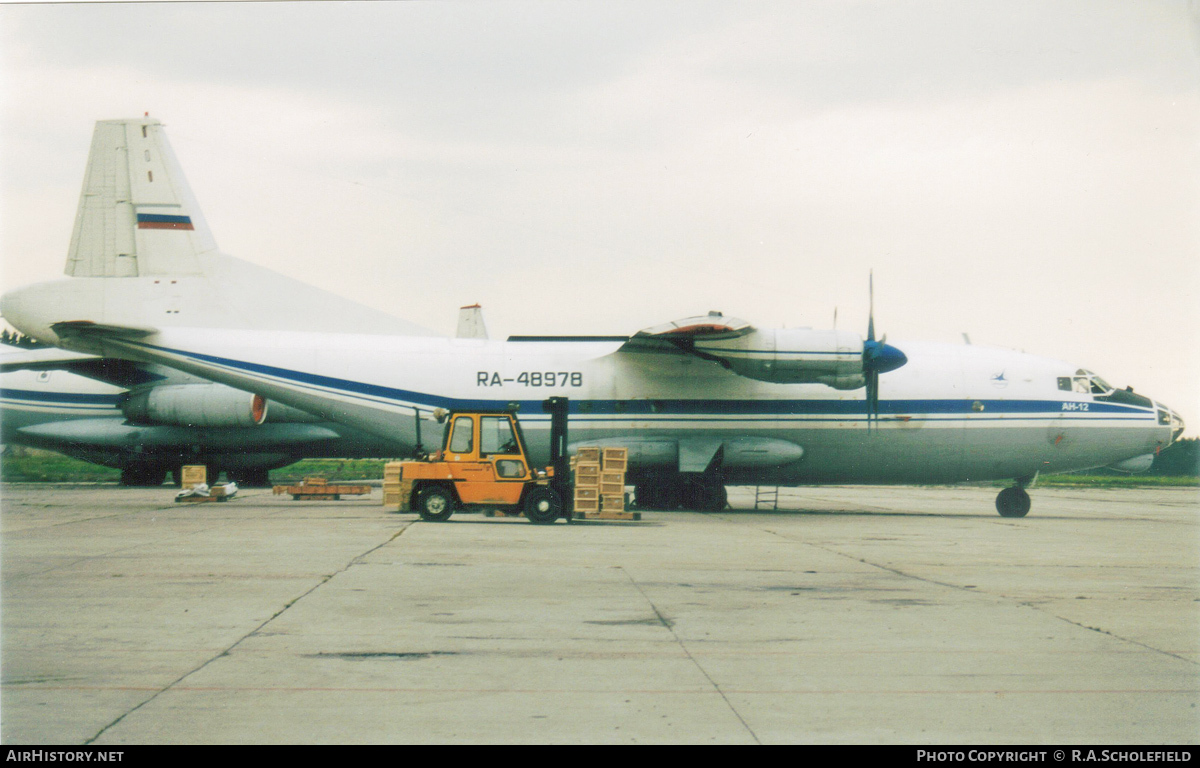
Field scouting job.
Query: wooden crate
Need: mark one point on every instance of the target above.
(608, 489)
(393, 470)
(591, 454)
(586, 493)
(586, 505)
(396, 495)
(616, 459)
(192, 475)
(611, 502)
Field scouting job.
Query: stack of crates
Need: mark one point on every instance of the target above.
(586, 465)
(393, 485)
(600, 484)
(612, 479)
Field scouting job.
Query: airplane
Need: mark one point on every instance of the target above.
(152, 430)
(150, 421)
(700, 403)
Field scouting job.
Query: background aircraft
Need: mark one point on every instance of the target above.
(701, 402)
(148, 421)
(149, 430)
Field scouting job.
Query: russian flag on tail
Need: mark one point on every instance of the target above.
(163, 221)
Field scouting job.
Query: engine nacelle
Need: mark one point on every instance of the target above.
(196, 405)
(792, 356)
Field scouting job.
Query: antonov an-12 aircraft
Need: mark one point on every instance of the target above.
(700, 403)
(149, 421)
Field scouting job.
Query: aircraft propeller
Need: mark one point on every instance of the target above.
(878, 357)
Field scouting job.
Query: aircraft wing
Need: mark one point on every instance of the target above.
(40, 359)
(775, 355)
(684, 335)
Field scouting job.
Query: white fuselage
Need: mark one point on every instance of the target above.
(953, 413)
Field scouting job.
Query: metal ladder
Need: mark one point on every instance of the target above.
(766, 495)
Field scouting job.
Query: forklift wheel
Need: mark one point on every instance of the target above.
(542, 506)
(435, 505)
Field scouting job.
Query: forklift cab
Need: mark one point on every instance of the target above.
(485, 453)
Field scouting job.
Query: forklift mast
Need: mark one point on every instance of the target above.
(557, 408)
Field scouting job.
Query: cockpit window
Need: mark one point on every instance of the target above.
(1064, 383)
(1085, 382)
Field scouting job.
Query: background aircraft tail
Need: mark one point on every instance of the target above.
(137, 216)
(139, 223)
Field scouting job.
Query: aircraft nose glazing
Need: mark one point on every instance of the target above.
(1168, 417)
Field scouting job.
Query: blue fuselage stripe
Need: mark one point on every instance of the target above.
(60, 398)
(662, 408)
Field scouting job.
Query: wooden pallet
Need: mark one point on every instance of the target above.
(317, 489)
(607, 515)
(201, 499)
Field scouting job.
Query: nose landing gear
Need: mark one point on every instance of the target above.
(1013, 502)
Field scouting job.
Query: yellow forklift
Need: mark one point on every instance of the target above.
(484, 464)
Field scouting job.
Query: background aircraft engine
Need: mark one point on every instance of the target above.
(793, 356)
(196, 405)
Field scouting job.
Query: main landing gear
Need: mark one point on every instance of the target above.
(1013, 502)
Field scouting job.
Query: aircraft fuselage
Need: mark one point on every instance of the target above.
(953, 413)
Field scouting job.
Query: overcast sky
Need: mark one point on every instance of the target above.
(1025, 172)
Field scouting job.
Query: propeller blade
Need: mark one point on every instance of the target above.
(871, 313)
(878, 357)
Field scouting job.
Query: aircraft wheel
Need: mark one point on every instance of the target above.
(644, 496)
(1013, 502)
(435, 505)
(542, 505)
(670, 495)
(705, 496)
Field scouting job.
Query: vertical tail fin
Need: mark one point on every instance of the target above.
(470, 323)
(136, 216)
